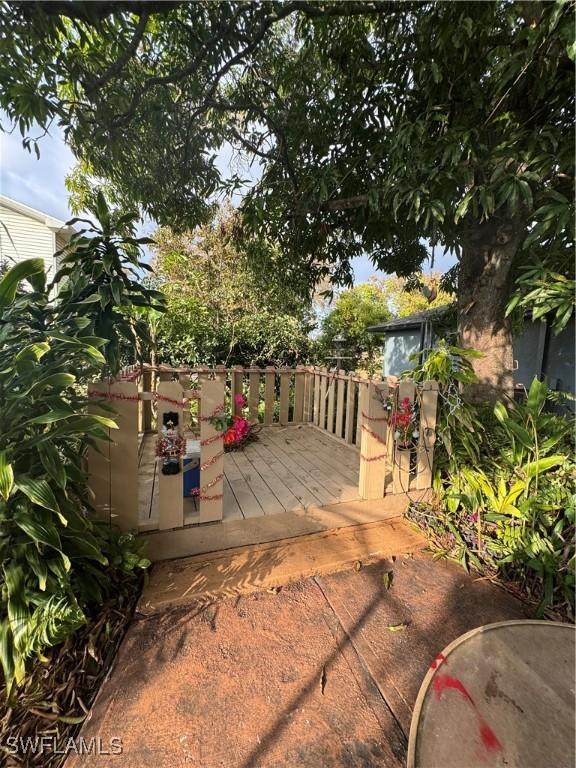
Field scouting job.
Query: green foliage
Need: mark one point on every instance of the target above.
(57, 564)
(512, 511)
(99, 283)
(221, 307)
(353, 312)
(547, 293)
(459, 427)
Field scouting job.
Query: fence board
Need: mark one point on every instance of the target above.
(350, 403)
(323, 390)
(340, 402)
(316, 405)
(331, 400)
(269, 395)
(401, 469)
(425, 451)
(147, 404)
(373, 452)
(170, 487)
(212, 392)
(308, 414)
(236, 388)
(254, 396)
(285, 377)
(299, 382)
(362, 395)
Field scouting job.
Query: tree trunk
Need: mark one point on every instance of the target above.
(484, 285)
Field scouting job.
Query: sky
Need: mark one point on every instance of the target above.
(39, 183)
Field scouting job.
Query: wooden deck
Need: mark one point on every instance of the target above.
(293, 482)
(287, 469)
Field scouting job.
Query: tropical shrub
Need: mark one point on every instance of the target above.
(57, 564)
(511, 511)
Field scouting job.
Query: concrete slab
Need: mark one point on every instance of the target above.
(319, 675)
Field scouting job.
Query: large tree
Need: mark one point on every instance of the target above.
(377, 125)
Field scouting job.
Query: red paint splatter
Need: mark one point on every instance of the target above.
(440, 659)
(442, 683)
(489, 738)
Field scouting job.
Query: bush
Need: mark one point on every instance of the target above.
(57, 564)
(507, 493)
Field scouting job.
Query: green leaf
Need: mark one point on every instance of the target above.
(533, 468)
(21, 271)
(6, 477)
(39, 492)
(41, 532)
(53, 464)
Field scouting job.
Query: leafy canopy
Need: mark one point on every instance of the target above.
(221, 307)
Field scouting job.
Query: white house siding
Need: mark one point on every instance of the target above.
(22, 237)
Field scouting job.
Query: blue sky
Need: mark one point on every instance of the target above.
(40, 184)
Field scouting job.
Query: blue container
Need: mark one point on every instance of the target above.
(190, 474)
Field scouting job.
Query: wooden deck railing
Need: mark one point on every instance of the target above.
(355, 409)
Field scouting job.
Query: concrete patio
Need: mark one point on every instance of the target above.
(322, 673)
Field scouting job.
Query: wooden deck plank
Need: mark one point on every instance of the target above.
(330, 459)
(267, 500)
(247, 502)
(305, 477)
(269, 476)
(232, 510)
(330, 444)
(291, 481)
(333, 475)
(251, 568)
(307, 459)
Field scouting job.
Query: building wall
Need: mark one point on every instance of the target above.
(559, 360)
(528, 350)
(537, 352)
(22, 237)
(398, 346)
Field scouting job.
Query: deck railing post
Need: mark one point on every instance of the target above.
(212, 402)
(373, 454)
(170, 487)
(401, 469)
(425, 450)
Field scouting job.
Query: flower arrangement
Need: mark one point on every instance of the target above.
(404, 421)
(238, 430)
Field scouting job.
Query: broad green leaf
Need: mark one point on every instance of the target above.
(21, 271)
(53, 464)
(41, 532)
(6, 477)
(40, 493)
(533, 468)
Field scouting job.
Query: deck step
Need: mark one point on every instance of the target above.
(257, 567)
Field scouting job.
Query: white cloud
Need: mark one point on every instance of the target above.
(36, 182)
